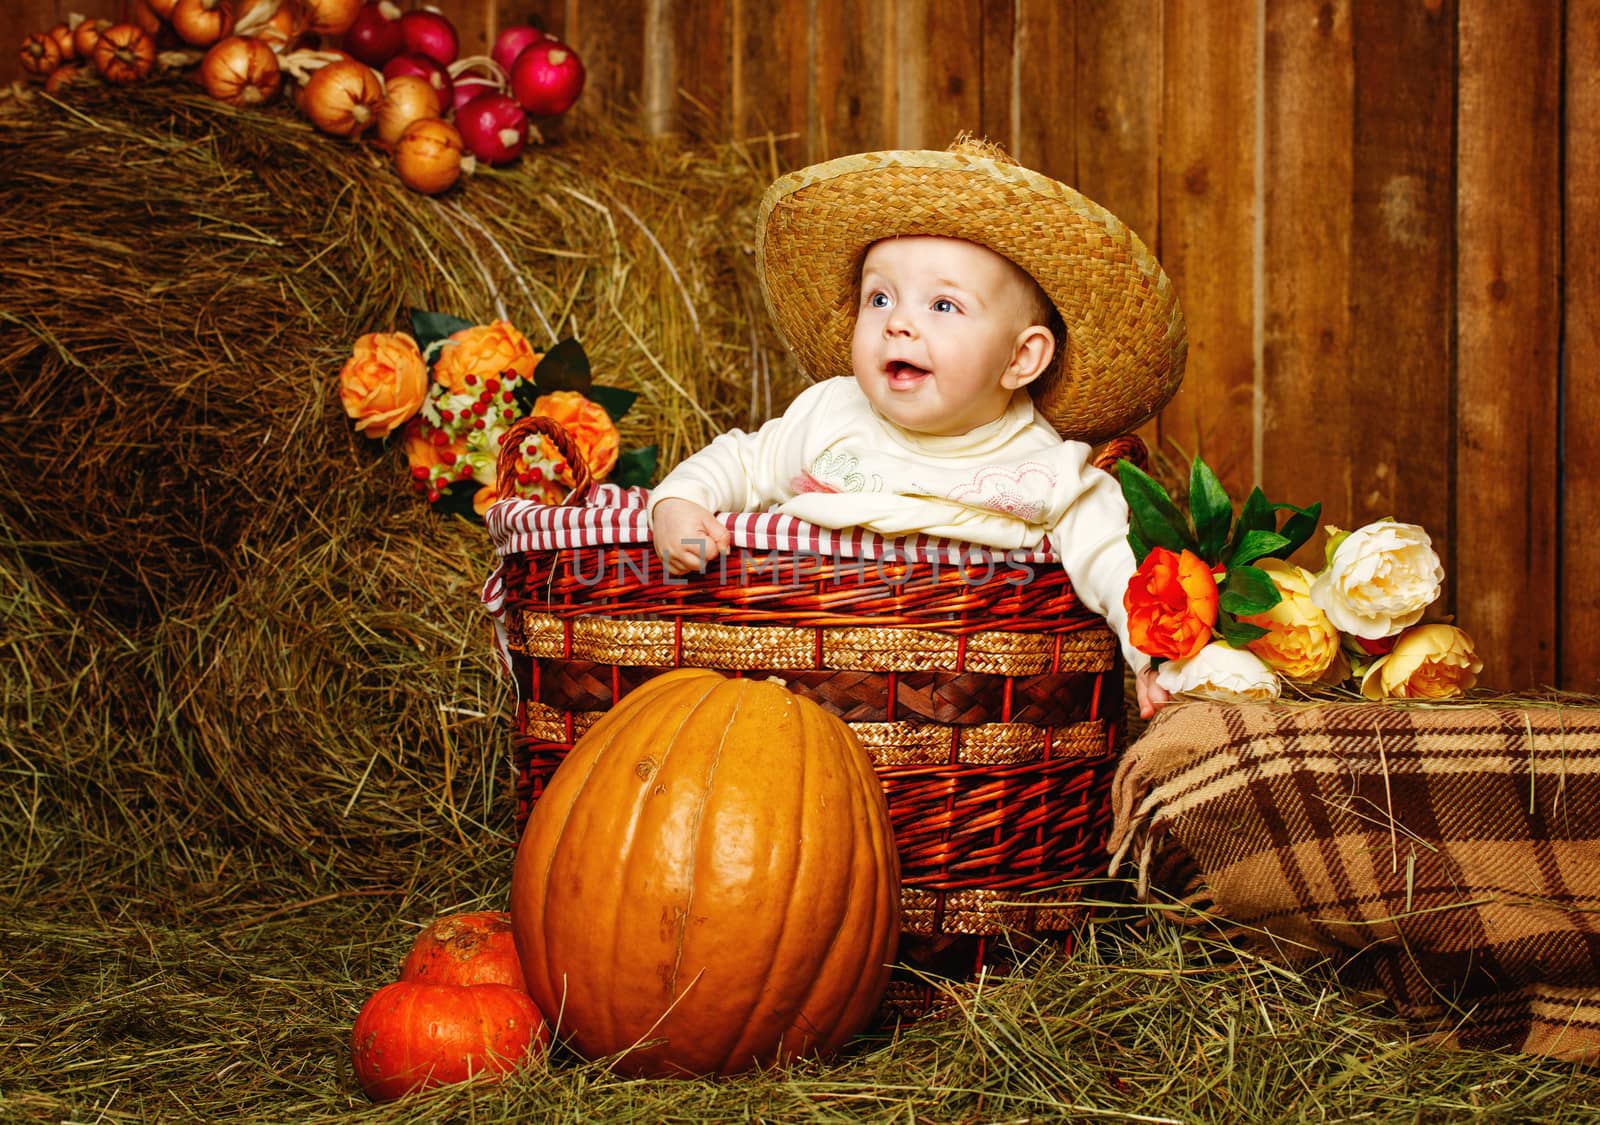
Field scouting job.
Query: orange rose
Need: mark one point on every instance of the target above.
(590, 426)
(482, 352)
(1172, 604)
(383, 382)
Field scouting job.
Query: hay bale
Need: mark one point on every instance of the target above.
(269, 637)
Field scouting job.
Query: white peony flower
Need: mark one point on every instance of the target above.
(1220, 672)
(1379, 580)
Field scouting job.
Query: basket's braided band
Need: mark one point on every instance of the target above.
(899, 743)
(987, 912)
(697, 644)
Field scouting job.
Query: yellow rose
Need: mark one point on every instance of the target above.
(1301, 642)
(590, 426)
(474, 355)
(1427, 662)
(383, 382)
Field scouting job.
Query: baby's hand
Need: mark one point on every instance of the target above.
(1152, 696)
(687, 536)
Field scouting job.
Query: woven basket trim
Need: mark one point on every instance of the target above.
(903, 743)
(670, 644)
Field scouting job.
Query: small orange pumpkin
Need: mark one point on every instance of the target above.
(410, 1036)
(124, 54)
(470, 948)
(711, 865)
(241, 70)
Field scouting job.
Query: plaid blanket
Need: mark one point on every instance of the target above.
(1447, 855)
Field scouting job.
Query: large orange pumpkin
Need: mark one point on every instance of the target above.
(711, 871)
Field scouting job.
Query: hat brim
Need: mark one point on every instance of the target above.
(1124, 353)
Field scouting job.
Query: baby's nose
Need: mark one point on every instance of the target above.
(898, 323)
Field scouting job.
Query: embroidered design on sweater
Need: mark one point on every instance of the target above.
(1018, 491)
(832, 471)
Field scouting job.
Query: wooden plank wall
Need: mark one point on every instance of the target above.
(1379, 215)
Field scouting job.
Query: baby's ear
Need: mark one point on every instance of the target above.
(1030, 357)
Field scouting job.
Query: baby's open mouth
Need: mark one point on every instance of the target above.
(903, 374)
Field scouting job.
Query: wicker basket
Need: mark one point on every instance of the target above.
(990, 700)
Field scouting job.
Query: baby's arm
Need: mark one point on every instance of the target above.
(1152, 696)
(687, 536)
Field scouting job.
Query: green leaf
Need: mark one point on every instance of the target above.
(564, 367)
(1255, 545)
(634, 466)
(1237, 633)
(1140, 547)
(1298, 528)
(1211, 510)
(525, 396)
(1152, 515)
(429, 328)
(614, 399)
(457, 500)
(1255, 514)
(1248, 589)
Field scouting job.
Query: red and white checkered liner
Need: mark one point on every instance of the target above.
(615, 515)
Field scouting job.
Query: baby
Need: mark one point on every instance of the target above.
(994, 322)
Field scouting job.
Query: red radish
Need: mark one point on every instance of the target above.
(469, 86)
(427, 32)
(494, 127)
(375, 37)
(547, 78)
(512, 41)
(423, 67)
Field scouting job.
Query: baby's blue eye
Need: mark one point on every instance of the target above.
(879, 300)
(944, 304)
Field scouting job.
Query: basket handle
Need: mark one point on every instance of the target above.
(1131, 446)
(535, 425)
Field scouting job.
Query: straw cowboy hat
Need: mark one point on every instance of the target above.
(1123, 354)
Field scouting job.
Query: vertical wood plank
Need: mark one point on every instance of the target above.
(856, 68)
(1118, 137)
(772, 75)
(609, 38)
(702, 47)
(549, 16)
(997, 64)
(1044, 89)
(941, 71)
(1579, 593)
(1309, 432)
(1402, 224)
(476, 23)
(1208, 207)
(1506, 231)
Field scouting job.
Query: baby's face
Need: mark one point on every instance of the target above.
(937, 330)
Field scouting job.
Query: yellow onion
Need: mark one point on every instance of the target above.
(281, 23)
(201, 23)
(406, 98)
(65, 75)
(330, 17)
(39, 55)
(342, 98)
(428, 155)
(124, 54)
(162, 8)
(85, 35)
(241, 70)
(62, 34)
